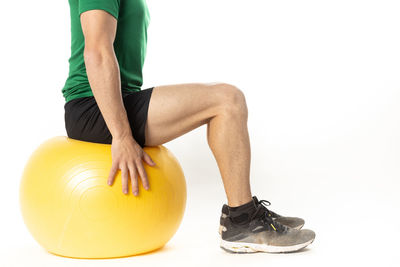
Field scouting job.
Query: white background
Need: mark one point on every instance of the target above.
(322, 84)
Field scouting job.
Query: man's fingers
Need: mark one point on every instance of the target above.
(143, 175)
(132, 171)
(148, 159)
(111, 176)
(125, 186)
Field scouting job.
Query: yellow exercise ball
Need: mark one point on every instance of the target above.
(71, 211)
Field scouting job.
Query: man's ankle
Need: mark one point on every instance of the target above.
(241, 214)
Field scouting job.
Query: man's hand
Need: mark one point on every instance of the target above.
(127, 156)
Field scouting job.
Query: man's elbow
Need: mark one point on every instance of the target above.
(96, 53)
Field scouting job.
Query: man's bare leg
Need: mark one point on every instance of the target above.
(177, 109)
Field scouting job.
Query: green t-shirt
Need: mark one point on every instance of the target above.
(133, 18)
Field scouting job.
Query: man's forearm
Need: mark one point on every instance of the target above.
(104, 78)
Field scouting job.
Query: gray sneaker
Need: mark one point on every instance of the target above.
(292, 222)
(262, 233)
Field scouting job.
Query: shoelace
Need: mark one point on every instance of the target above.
(270, 212)
(265, 216)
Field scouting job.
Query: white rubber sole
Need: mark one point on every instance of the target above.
(242, 247)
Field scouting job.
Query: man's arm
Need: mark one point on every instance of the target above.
(99, 29)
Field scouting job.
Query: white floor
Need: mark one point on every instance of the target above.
(353, 228)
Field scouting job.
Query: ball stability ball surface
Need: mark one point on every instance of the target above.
(71, 211)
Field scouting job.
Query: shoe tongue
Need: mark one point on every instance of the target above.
(255, 199)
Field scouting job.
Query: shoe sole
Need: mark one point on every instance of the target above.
(242, 247)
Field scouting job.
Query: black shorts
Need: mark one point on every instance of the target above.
(84, 121)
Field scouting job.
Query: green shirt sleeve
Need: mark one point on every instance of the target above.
(111, 6)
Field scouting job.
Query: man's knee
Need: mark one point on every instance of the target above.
(232, 99)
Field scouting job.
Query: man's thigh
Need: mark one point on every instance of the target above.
(177, 109)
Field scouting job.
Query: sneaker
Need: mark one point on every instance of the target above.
(262, 233)
(292, 222)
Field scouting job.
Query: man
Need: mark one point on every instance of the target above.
(105, 104)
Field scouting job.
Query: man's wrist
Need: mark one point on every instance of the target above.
(122, 135)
